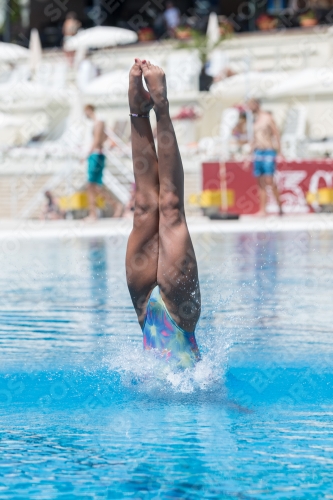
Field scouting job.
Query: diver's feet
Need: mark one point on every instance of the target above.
(139, 99)
(156, 83)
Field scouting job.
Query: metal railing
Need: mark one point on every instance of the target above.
(119, 190)
(49, 185)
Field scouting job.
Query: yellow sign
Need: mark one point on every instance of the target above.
(212, 198)
(78, 201)
(324, 196)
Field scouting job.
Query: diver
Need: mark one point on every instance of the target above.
(161, 267)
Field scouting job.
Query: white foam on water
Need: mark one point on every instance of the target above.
(147, 372)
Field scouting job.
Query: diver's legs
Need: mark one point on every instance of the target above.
(177, 272)
(142, 247)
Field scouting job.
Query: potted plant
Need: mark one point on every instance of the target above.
(186, 113)
(146, 35)
(185, 124)
(266, 22)
(226, 28)
(200, 42)
(183, 33)
(308, 19)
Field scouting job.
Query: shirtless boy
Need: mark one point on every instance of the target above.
(265, 146)
(96, 164)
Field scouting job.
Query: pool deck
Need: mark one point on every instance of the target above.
(66, 229)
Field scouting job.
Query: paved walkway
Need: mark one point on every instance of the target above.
(27, 229)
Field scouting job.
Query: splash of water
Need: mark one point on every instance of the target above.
(147, 372)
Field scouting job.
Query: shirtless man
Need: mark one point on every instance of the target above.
(265, 146)
(96, 164)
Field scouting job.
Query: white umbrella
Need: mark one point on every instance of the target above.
(305, 82)
(24, 91)
(9, 120)
(35, 48)
(100, 37)
(29, 95)
(218, 61)
(79, 56)
(213, 30)
(18, 130)
(10, 52)
(250, 84)
(113, 84)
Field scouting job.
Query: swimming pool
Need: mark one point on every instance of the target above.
(86, 414)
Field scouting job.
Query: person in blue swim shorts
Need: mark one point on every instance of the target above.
(96, 164)
(265, 147)
(161, 267)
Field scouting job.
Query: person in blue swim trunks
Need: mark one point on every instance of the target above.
(161, 267)
(96, 164)
(265, 147)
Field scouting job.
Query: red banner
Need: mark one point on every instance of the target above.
(294, 180)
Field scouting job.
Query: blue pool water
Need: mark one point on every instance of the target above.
(85, 414)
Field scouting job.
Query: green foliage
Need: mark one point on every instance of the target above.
(14, 12)
(310, 14)
(199, 42)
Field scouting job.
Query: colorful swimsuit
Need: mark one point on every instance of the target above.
(161, 332)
